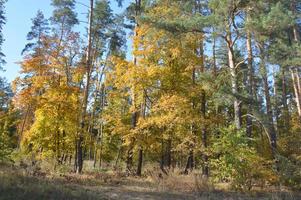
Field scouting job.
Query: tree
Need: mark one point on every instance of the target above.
(2, 23)
(88, 72)
(38, 30)
(224, 18)
(8, 122)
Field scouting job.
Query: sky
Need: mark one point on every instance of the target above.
(19, 14)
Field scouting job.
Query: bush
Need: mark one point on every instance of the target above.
(5, 149)
(237, 162)
(290, 171)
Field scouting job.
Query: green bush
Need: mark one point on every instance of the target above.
(237, 162)
(290, 171)
(5, 149)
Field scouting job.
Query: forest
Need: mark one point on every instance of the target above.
(197, 99)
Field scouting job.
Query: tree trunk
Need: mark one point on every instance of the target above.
(296, 91)
(168, 154)
(95, 158)
(205, 167)
(140, 160)
(118, 156)
(276, 103)
(294, 71)
(250, 84)
(129, 159)
(79, 158)
(269, 111)
(285, 111)
(234, 85)
(190, 162)
(214, 57)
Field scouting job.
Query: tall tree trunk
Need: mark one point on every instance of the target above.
(140, 150)
(205, 167)
(234, 84)
(276, 103)
(214, 57)
(129, 159)
(79, 158)
(294, 71)
(250, 84)
(286, 114)
(296, 90)
(268, 106)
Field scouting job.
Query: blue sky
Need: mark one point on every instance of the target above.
(19, 14)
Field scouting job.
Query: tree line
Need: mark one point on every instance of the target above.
(208, 85)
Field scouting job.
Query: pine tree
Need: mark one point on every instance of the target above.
(38, 30)
(2, 23)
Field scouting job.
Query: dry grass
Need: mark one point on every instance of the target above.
(18, 183)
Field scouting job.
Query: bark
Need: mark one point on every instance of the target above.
(190, 162)
(140, 160)
(129, 160)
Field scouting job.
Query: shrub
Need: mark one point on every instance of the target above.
(237, 162)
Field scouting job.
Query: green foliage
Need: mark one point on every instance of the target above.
(38, 30)
(63, 14)
(289, 170)
(8, 122)
(2, 23)
(188, 81)
(5, 148)
(237, 162)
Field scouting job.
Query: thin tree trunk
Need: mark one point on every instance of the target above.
(234, 85)
(95, 157)
(190, 162)
(140, 150)
(118, 157)
(214, 57)
(296, 91)
(168, 153)
(250, 84)
(140, 160)
(80, 139)
(294, 71)
(286, 114)
(205, 167)
(129, 159)
(276, 104)
(269, 111)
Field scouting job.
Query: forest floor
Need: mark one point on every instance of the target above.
(16, 183)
